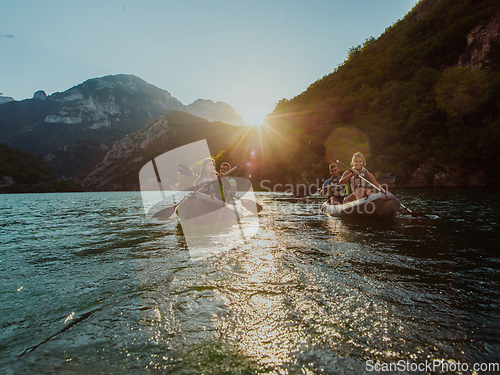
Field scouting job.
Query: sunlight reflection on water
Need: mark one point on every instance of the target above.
(96, 288)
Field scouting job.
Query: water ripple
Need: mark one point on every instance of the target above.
(90, 286)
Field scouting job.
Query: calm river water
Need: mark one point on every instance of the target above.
(89, 286)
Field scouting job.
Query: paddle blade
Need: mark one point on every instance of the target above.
(417, 214)
(386, 178)
(413, 213)
(185, 170)
(251, 206)
(165, 213)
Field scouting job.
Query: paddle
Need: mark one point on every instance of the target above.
(186, 171)
(166, 212)
(413, 213)
(386, 178)
(250, 205)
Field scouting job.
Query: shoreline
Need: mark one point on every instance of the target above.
(35, 189)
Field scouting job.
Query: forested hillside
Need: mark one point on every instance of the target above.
(22, 172)
(419, 101)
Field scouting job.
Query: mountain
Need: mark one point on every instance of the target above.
(119, 170)
(5, 99)
(219, 111)
(420, 101)
(72, 130)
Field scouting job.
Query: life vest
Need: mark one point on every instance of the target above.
(227, 188)
(335, 188)
(356, 182)
(210, 188)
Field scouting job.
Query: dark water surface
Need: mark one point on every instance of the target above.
(88, 286)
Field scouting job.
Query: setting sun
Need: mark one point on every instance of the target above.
(255, 115)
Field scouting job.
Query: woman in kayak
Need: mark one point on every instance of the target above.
(356, 185)
(208, 174)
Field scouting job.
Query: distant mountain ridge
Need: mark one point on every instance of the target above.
(219, 111)
(72, 130)
(119, 169)
(5, 99)
(98, 101)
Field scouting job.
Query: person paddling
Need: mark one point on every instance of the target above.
(332, 186)
(208, 174)
(227, 184)
(357, 188)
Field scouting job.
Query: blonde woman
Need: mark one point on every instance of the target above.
(356, 186)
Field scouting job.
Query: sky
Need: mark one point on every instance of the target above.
(249, 54)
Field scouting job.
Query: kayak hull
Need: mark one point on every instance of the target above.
(203, 210)
(376, 207)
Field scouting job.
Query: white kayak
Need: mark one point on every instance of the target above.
(205, 210)
(378, 207)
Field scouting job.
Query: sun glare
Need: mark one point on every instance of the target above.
(255, 116)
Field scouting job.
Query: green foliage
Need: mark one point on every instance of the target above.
(30, 174)
(461, 91)
(404, 93)
(24, 167)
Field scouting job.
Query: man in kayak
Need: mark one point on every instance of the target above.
(227, 184)
(358, 188)
(332, 186)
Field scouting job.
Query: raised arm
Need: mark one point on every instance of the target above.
(373, 180)
(345, 177)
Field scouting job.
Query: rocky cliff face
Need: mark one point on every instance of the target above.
(81, 156)
(107, 101)
(6, 99)
(6, 181)
(426, 175)
(109, 173)
(103, 109)
(119, 169)
(71, 129)
(479, 42)
(40, 95)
